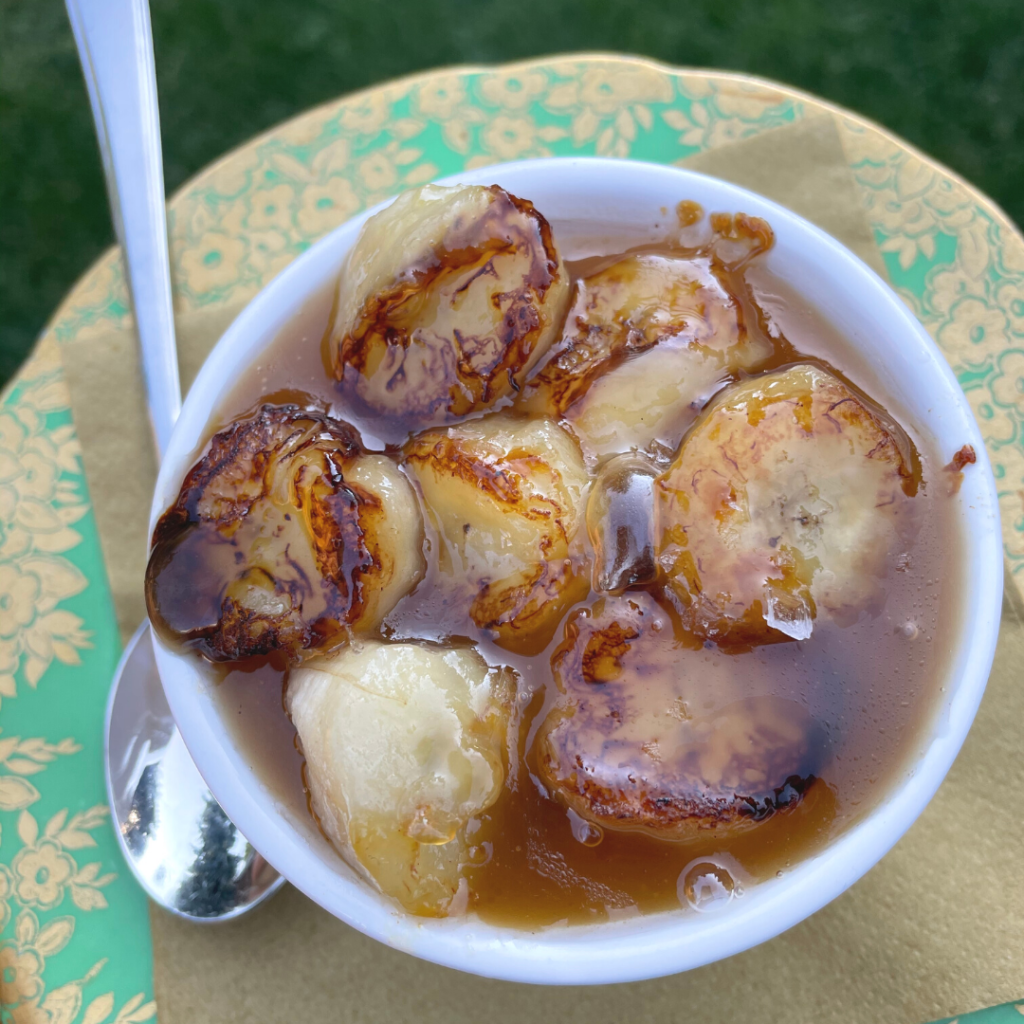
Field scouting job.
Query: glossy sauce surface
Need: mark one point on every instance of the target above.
(870, 687)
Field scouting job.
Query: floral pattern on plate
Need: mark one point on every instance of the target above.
(74, 941)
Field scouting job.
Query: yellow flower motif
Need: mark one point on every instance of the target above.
(422, 173)
(725, 130)
(367, 114)
(908, 248)
(908, 217)
(268, 254)
(40, 874)
(1011, 255)
(36, 505)
(1010, 296)
(481, 160)
(914, 178)
(694, 126)
(997, 424)
(20, 978)
(509, 137)
(271, 208)
(378, 172)
(1008, 384)
(13, 433)
(696, 86)
(102, 284)
(326, 206)
(606, 90)
(973, 251)
(38, 477)
(973, 323)
(513, 91)
(304, 130)
(441, 97)
(946, 287)
(212, 263)
(18, 593)
(192, 220)
(948, 198)
(332, 159)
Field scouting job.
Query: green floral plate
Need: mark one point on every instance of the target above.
(75, 945)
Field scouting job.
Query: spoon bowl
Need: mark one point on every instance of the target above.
(180, 845)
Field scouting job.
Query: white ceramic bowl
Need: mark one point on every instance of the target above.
(620, 203)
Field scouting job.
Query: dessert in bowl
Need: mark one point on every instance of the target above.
(578, 572)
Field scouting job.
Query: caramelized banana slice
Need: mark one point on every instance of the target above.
(789, 496)
(404, 743)
(627, 747)
(645, 343)
(508, 498)
(447, 300)
(285, 537)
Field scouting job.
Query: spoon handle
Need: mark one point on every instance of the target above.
(115, 44)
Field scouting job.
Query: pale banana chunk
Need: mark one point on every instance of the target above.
(448, 299)
(789, 497)
(646, 342)
(404, 743)
(508, 498)
(286, 536)
(397, 539)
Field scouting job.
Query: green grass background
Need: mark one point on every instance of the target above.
(946, 74)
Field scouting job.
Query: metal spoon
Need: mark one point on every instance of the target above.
(177, 840)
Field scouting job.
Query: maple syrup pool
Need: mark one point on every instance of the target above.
(872, 688)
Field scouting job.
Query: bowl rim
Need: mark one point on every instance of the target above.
(639, 947)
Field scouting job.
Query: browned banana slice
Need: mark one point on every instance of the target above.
(645, 343)
(790, 496)
(285, 537)
(404, 743)
(630, 745)
(447, 300)
(508, 498)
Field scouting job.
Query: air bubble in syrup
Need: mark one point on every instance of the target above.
(705, 886)
(620, 521)
(480, 855)
(585, 832)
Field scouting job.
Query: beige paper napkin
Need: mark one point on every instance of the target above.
(935, 929)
